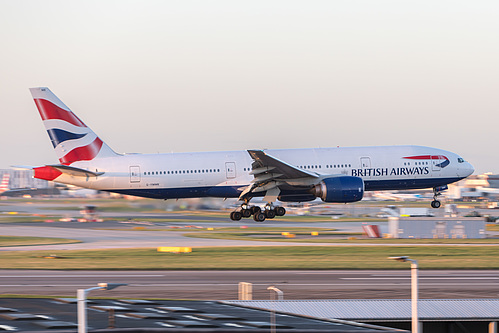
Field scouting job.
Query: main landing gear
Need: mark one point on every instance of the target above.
(269, 212)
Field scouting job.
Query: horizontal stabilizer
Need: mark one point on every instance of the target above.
(22, 167)
(77, 172)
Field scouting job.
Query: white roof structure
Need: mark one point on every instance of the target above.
(383, 310)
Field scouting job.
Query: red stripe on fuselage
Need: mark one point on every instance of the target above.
(49, 110)
(85, 153)
(427, 157)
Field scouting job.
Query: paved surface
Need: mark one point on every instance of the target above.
(106, 239)
(94, 236)
(211, 285)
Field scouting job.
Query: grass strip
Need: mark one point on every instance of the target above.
(325, 236)
(263, 257)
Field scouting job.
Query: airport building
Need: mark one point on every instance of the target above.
(24, 179)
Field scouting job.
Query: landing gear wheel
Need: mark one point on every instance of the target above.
(270, 214)
(235, 216)
(435, 204)
(436, 192)
(259, 217)
(246, 213)
(255, 209)
(280, 211)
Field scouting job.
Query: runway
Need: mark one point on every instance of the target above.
(218, 285)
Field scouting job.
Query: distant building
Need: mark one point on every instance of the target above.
(24, 179)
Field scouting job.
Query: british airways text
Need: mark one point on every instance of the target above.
(379, 172)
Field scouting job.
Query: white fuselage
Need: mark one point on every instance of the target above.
(225, 174)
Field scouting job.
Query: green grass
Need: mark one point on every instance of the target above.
(325, 236)
(20, 219)
(26, 241)
(255, 258)
(492, 227)
(101, 208)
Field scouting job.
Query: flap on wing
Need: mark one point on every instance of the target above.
(77, 172)
(265, 162)
(271, 173)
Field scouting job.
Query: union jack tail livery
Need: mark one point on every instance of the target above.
(72, 139)
(4, 186)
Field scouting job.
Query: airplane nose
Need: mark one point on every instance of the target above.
(471, 169)
(468, 169)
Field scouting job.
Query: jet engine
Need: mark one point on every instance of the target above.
(340, 189)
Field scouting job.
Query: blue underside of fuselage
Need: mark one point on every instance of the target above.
(234, 191)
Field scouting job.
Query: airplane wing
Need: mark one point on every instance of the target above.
(265, 161)
(271, 174)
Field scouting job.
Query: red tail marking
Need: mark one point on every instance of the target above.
(49, 110)
(85, 153)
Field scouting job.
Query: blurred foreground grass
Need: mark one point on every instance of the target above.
(254, 258)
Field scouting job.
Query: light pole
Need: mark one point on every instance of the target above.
(280, 294)
(280, 297)
(414, 291)
(81, 295)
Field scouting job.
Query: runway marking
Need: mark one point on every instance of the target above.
(78, 276)
(329, 273)
(422, 278)
(439, 275)
(176, 285)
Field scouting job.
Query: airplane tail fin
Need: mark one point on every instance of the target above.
(4, 185)
(72, 140)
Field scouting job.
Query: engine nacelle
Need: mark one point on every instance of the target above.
(340, 189)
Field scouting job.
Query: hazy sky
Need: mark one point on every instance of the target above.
(163, 76)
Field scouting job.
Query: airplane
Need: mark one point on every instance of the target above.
(335, 175)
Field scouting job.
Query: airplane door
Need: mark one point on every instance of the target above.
(134, 174)
(365, 162)
(230, 170)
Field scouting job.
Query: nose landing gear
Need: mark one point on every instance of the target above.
(436, 192)
(435, 204)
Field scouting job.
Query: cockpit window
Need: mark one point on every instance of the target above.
(460, 160)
